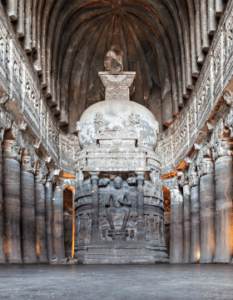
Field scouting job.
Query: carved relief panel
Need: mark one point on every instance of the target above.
(118, 209)
(83, 227)
(154, 228)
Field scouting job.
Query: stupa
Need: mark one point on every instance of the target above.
(119, 207)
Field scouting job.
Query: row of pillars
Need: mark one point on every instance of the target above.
(31, 212)
(201, 228)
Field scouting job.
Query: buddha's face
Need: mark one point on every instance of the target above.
(118, 183)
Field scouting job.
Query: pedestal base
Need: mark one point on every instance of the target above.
(121, 254)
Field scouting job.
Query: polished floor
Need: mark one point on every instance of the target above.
(116, 282)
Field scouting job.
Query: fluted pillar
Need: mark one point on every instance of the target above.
(195, 217)
(49, 217)
(187, 223)
(2, 246)
(95, 234)
(28, 218)
(140, 196)
(223, 202)
(207, 210)
(176, 225)
(11, 195)
(40, 213)
(58, 228)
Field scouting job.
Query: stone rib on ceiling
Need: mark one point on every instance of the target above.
(164, 41)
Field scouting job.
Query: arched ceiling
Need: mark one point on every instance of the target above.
(164, 41)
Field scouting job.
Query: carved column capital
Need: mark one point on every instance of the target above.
(140, 178)
(17, 134)
(228, 97)
(193, 175)
(2, 131)
(29, 159)
(50, 177)
(12, 149)
(182, 178)
(3, 98)
(222, 147)
(41, 172)
(94, 177)
(170, 183)
(188, 160)
(206, 166)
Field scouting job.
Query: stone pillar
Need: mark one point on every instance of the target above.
(11, 195)
(176, 225)
(207, 210)
(223, 202)
(2, 246)
(58, 228)
(28, 219)
(49, 217)
(95, 234)
(187, 223)
(184, 184)
(140, 197)
(40, 213)
(195, 216)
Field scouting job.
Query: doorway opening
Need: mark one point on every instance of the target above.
(69, 221)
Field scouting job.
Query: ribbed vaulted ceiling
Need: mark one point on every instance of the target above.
(162, 40)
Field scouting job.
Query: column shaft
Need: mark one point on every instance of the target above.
(11, 196)
(95, 234)
(28, 219)
(2, 246)
(207, 208)
(140, 196)
(40, 223)
(223, 211)
(195, 225)
(176, 227)
(187, 224)
(58, 228)
(49, 218)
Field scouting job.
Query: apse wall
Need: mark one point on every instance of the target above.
(164, 41)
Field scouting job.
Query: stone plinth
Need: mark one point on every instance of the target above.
(117, 86)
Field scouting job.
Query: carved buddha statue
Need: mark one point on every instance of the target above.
(118, 201)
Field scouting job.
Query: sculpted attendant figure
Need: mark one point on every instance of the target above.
(118, 201)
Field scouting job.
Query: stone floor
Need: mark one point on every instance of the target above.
(116, 282)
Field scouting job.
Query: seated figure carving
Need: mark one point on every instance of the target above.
(118, 202)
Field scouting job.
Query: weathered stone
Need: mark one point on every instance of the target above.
(40, 216)
(49, 217)
(207, 210)
(95, 235)
(28, 219)
(140, 197)
(11, 196)
(176, 227)
(187, 224)
(58, 229)
(223, 211)
(2, 246)
(195, 224)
